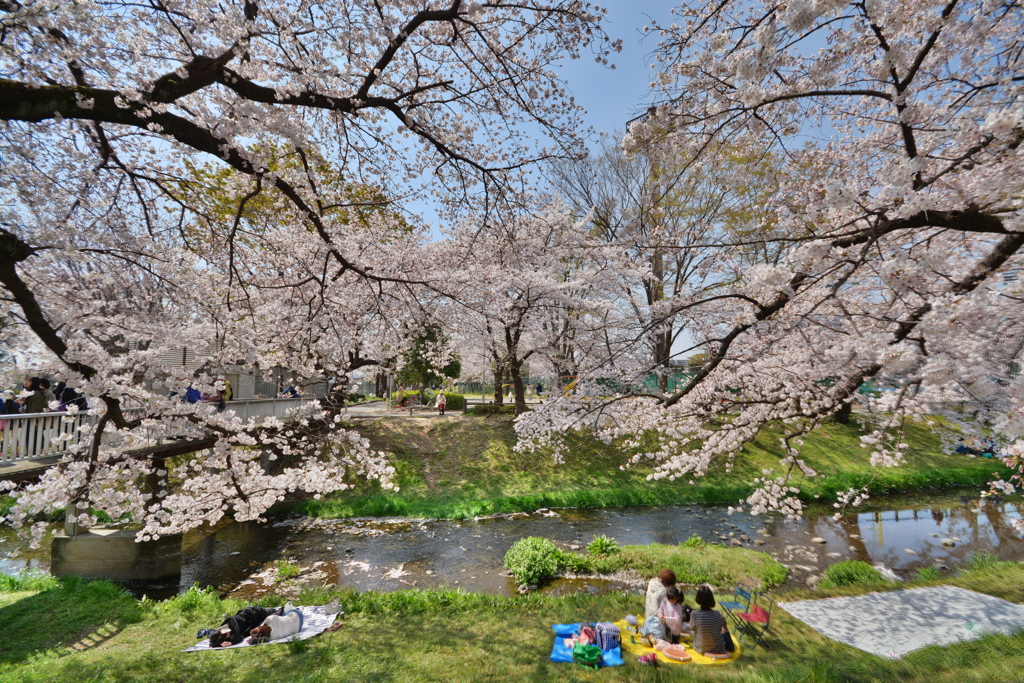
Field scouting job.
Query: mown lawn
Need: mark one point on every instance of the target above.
(86, 632)
(466, 467)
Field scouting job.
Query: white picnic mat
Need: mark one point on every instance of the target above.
(314, 622)
(895, 623)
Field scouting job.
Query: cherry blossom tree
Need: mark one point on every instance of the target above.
(525, 285)
(900, 234)
(107, 261)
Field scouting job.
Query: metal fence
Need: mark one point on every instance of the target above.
(40, 435)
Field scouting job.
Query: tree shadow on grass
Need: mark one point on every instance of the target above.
(77, 614)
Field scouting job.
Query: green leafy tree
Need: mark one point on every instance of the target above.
(420, 362)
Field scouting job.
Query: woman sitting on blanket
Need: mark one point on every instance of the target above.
(656, 589)
(709, 629)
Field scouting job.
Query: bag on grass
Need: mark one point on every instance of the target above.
(588, 656)
(730, 646)
(608, 635)
(653, 626)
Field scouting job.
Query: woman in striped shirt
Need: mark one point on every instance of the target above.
(708, 625)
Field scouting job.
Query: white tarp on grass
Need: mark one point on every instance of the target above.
(895, 623)
(891, 625)
(314, 622)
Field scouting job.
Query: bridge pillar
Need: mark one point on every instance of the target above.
(71, 526)
(114, 554)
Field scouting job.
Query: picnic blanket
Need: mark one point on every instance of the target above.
(314, 622)
(561, 653)
(894, 623)
(695, 657)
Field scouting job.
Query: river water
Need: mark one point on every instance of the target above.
(901, 533)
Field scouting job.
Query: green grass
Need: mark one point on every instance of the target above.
(851, 573)
(533, 559)
(286, 570)
(692, 563)
(466, 467)
(87, 632)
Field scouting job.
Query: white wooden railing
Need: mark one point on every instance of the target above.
(41, 435)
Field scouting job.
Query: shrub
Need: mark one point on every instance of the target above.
(694, 541)
(850, 573)
(533, 559)
(355, 397)
(603, 545)
(286, 570)
(493, 409)
(454, 401)
(576, 564)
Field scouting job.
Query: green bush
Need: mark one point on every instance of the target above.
(493, 409)
(694, 541)
(452, 400)
(533, 559)
(603, 545)
(850, 573)
(286, 570)
(575, 564)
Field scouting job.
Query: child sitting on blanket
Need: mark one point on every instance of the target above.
(674, 613)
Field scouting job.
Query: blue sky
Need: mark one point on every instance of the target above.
(612, 97)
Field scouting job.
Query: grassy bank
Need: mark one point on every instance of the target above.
(94, 632)
(466, 467)
(694, 562)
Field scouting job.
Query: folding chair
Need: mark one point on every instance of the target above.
(755, 621)
(743, 595)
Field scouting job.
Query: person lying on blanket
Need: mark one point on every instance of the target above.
(278, 620)
(234, 629)
(277, 626)
(286, 624)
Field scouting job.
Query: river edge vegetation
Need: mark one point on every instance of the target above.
(532, 560)
(94, 631)
(466, 466)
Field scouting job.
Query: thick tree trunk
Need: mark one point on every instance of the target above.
(842, 415)
(520, 389)
(499, 374)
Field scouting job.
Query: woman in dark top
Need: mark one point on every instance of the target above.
(36, 401)
(708, 625)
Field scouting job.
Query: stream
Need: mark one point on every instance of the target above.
(900, 533)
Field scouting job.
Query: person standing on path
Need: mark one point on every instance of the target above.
(441, 401)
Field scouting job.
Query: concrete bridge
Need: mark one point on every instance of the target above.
(29, 443)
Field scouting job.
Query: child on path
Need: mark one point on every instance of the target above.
(441, 401)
